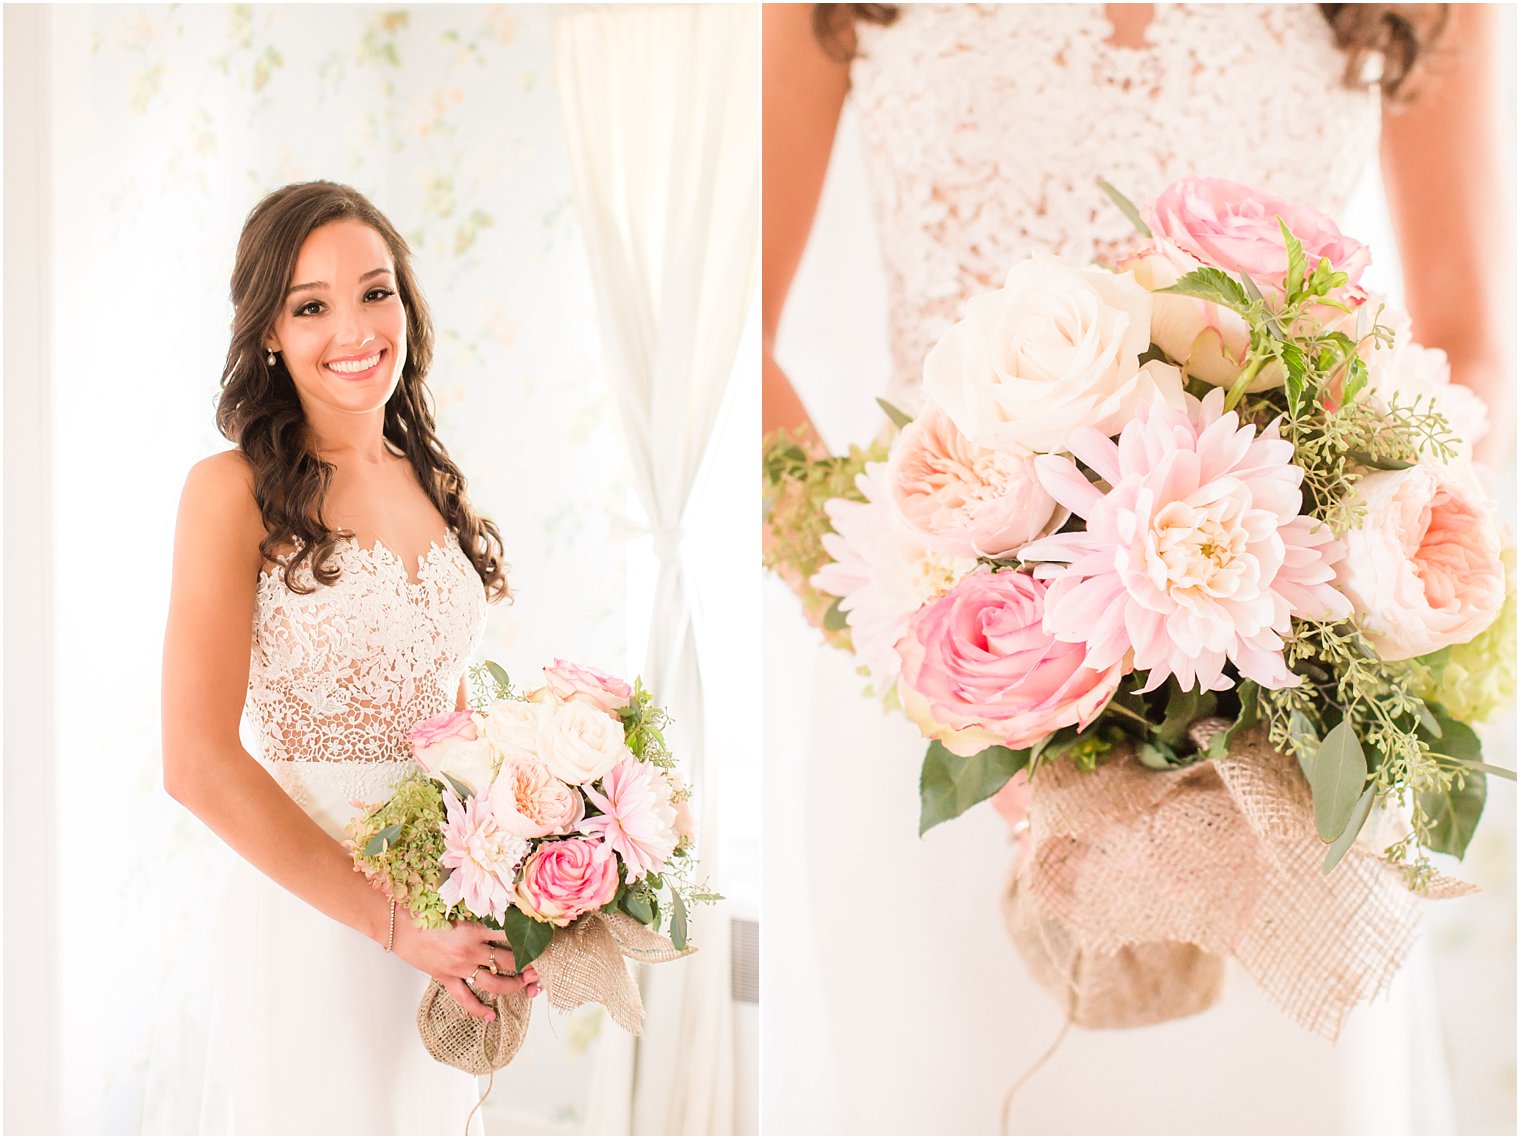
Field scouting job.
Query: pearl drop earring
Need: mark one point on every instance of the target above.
(270, 356)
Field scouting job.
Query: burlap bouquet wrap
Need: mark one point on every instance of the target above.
(584, 963)
(1139, 883)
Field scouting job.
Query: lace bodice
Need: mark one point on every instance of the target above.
(986, 125)
(339, 675)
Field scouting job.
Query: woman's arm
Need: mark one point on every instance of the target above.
(804, 92)
(206, 649)
(1444, 157)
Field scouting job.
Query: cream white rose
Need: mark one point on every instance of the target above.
(1423, 568)
(471, 763)
(1054, 349)
(512, 726)
(578, 743)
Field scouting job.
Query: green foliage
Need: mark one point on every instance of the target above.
(1358, 819)
(897, 415)
(950, 784)
(796, 488)
(1453, 808)
(1337, 773)
(1213, 285)
(644, 724)
(1126, 207)
(400, 844)
(528, 937)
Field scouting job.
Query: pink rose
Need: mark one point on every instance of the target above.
(588, 685)
(978, 668)
(961, 499)
(529, 802)
(1423, 567)
(1208, 221)
(443, 726)
(450, 745)
(564, 879)
(1234, 228)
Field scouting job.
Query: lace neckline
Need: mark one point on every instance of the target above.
(379, 553)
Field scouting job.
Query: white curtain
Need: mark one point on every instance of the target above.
(661, 111)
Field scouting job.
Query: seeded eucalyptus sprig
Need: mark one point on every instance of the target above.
(1357, 725)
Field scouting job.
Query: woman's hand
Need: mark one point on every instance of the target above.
(462, 951)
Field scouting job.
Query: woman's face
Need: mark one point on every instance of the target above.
(341, 330)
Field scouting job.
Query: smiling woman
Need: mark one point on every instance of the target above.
(334, 434)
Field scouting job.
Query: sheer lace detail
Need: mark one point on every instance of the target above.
(338, 676)
(986, 125)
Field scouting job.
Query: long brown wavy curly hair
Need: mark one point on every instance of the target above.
(1403, 34)
(261, 413)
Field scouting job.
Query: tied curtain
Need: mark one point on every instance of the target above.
(661, 114)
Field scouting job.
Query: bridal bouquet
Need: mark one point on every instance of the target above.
(1186, 562)
(555, 816)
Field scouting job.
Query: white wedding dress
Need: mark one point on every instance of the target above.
(896, 1002)
(314, 1025)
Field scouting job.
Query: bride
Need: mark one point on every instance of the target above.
(984, 128)
(329, 573)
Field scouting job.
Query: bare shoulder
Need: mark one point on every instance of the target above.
(218, 515)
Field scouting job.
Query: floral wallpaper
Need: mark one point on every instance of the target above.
(170, 122)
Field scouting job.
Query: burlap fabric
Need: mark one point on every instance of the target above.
(1140, 882)
(584, 963)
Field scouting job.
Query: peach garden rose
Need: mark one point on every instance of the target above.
(531, 803)
(1423, 567)
(961, 499)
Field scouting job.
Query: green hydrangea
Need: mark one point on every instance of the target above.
(410, 865)
(1475, 680)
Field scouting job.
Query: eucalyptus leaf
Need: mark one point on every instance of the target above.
(950, 784)
(1337, 773)
(1303, 740)
(1126, 207)
(896, 414)
(382, 839)
(499, 675)
(528, 937)
(1354, 827)
(459, 788)
(1454, 812)
(638, 907)
(677, 920)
